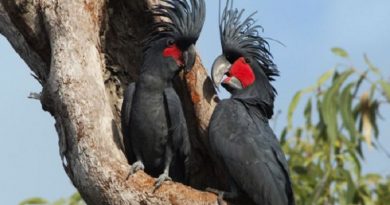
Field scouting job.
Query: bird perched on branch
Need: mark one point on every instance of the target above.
(239, 133)
(153, 124)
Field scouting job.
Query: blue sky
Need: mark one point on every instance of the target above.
(29, 154)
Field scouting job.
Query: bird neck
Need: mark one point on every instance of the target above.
(260, 95)
(153, 82)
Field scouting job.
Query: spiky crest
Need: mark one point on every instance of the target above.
(183, 20)
(242, 37)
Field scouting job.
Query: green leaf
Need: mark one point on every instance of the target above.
(374, 110)
(372, 90)
(307, 113)
(75, 199)
(386, 89)
(359, 82)
(60, 202)
(320, 187)
(35, 200)
(324, 77)
(371, 66)
(346, 111)
(293, 106)
(340, 52)
(283, 136)
(351, 187)
(359, 149)
(355, 160)
(330, 105)
(298, 133)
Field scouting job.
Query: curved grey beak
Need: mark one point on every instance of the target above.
(189, 57)
(220, 67)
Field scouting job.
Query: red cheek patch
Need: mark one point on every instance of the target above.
(174, 52)
(243, 72)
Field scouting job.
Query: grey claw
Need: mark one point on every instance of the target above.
(137, 166)
(160, 180)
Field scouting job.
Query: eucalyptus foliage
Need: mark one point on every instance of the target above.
(75, 199)
(325, 150)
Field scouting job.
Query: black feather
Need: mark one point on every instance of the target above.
(241, 37)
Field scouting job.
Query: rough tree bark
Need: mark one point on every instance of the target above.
(84, 53)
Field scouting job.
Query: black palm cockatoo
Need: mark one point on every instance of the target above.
(239, 133)
(153, 124)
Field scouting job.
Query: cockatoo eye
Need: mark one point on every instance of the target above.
(170, 42)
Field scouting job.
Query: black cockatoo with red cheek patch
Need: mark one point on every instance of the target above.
(153, 124)
(239, 133)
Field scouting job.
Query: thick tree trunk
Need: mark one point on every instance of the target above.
(84, 52)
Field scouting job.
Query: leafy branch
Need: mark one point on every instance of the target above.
(340, 117)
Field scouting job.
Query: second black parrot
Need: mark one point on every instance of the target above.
(239, 133)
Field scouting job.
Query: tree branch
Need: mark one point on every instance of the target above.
(21, 39)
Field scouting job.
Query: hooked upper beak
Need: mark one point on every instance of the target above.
(220, 67)
(189, 57)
